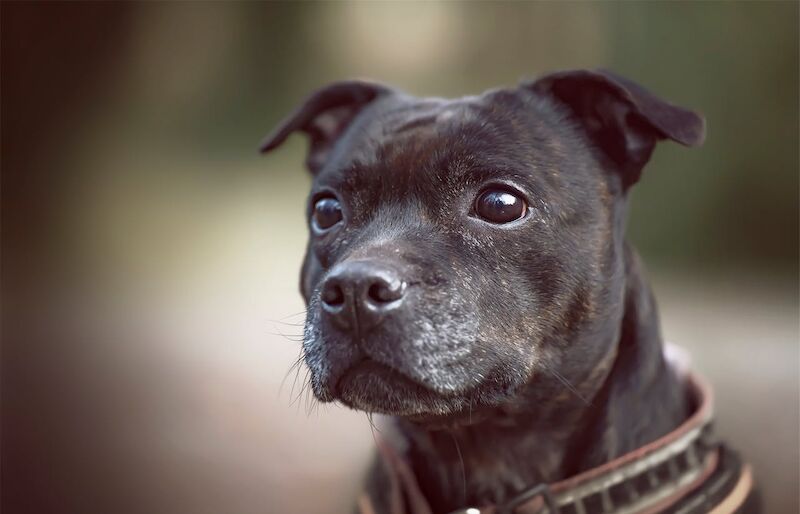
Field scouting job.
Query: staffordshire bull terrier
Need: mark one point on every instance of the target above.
(467, 274)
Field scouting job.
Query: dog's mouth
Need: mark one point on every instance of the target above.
(367, 368)
(371, 386)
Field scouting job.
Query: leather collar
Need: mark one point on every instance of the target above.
(650, 479)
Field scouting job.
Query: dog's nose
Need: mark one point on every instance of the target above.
(358, 294)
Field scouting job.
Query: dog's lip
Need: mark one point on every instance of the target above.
(367, 365)
(372, 386)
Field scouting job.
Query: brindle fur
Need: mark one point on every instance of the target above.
(525, 353)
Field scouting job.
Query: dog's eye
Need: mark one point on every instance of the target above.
(499, 206)
(327, 213)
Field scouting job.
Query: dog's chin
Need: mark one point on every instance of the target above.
(376, 388)
(373, 387)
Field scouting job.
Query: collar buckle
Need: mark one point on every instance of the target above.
(541, 490)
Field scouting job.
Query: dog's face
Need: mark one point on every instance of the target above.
(462, 249)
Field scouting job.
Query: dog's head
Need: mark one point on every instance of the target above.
(461, 249)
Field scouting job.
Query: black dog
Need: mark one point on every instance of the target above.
(468, 273)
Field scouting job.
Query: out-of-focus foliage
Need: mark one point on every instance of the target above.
(734, 203)
(154, 254)
(731, 204)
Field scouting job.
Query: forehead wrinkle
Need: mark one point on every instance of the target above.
(454, 154)
(432, 115)
(438, 143)
(416, 122)
(450, 129)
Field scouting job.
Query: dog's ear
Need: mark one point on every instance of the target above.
(324, 116)
(622, 118)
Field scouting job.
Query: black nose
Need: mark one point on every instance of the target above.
(358, 294)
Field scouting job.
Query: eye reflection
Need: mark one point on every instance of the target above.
(327, 213)
(500, 206)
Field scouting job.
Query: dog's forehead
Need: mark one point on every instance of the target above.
(403, 134)
(408, 127)
(417, 116)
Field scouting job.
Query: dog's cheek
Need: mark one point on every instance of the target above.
(325, 359)
(512, 310)
(444, 345)
(314, 354)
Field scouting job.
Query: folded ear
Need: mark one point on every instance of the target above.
(623, 119)
(324, 116)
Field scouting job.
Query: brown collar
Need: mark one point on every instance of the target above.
(650, 479)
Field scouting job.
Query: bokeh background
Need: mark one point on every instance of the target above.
(150, 256)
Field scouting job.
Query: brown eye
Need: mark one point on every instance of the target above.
(498, 206)
(327, 213)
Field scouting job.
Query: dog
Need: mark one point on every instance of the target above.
(467, 274)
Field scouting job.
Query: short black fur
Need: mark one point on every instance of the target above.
(521, 353)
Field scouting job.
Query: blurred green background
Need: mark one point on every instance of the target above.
(154, 255)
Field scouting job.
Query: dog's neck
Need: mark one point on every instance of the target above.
(490, 460)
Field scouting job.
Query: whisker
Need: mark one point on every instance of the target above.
(301, 313)
(297, 400)
(294, 382)
(372, 429)
(294, 367)
(288, 324)
(463, 469)
(311, 403)
(567, 384)
(298, 338)
(371, 418)
(295, 338)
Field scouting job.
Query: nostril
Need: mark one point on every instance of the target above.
(333, 295)
(383, 292)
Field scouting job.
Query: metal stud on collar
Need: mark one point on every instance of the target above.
(542, 490)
